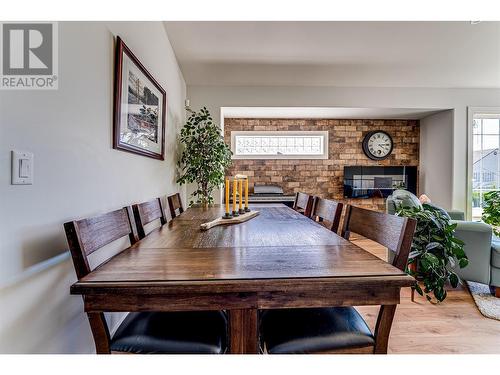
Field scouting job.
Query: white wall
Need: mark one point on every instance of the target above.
(77, 174)
(436, 157)
(214, 97)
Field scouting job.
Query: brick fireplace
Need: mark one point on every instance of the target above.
(325, 177)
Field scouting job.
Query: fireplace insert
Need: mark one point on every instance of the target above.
(378, 182)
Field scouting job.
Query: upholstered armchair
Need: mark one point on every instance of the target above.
(481, 247)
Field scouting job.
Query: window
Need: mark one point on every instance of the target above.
(485, 159)
(279, 144)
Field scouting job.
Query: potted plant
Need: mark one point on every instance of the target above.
(434, 251)
(204, 157)
(491, 211)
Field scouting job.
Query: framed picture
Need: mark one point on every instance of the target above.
(140, 107)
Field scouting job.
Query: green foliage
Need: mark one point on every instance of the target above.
(491, 210)
(205, 156)
(434, 249)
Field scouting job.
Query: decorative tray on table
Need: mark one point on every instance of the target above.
(233, 220)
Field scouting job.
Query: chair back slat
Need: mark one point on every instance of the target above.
(303, 203)
(147, 212)
(328, 212)
(393, 232)
(175, 204)
(89, 235)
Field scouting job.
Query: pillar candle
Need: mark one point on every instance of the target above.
(235, 187)
(241, 195)
(227, 196)
(246, 193)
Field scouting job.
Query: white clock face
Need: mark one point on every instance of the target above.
(379, 145)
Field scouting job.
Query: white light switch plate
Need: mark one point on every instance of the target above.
(22, 168)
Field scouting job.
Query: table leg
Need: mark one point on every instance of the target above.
(383, 328)
(100, 332)
(243, 336)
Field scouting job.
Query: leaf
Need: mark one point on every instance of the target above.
(431, 259)
(454, 280)
(463, 262)
(458, 241)
(432, 245)
(413, 254)
(425, 265)
(440, 294)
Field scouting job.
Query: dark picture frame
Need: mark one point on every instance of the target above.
(140, 107)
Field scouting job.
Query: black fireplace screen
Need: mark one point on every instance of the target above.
(378, 182)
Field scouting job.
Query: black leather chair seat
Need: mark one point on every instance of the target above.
(172, 332)
(314, 330)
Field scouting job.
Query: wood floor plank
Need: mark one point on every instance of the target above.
(453, 326)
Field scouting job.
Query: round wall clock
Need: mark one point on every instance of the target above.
(377, 145)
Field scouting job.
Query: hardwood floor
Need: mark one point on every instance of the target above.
(453, 326)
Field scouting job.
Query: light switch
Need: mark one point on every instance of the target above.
(22, 168)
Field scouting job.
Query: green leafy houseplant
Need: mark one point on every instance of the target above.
(491, 210)
(434, 249)
(204, 157)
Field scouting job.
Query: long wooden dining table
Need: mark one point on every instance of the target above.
(279, 259)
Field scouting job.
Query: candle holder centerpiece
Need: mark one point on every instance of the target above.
(239, 212)
(239, 207)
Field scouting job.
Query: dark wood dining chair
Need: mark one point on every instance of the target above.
(175, 204)
(303, 203)
(342, 329)
(147, 212)
(327, 212)
(144, 332)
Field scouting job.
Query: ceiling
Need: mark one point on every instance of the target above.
(328, 112)
(343, 54)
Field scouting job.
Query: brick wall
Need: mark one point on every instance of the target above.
(325, 177)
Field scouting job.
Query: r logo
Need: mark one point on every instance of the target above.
(27, 49)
